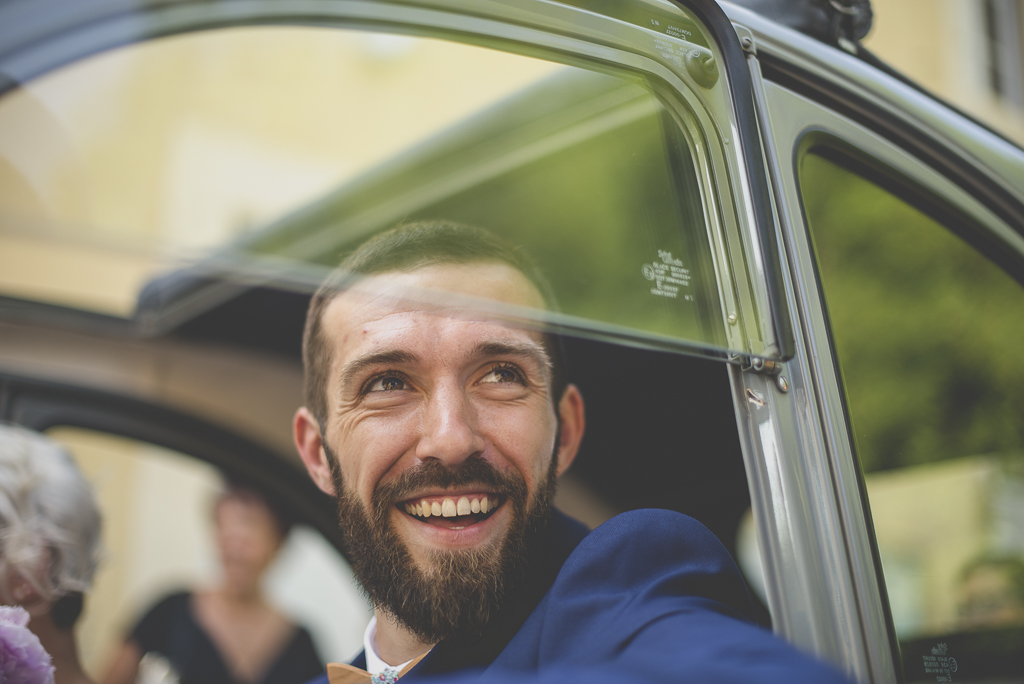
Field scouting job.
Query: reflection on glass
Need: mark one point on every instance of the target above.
(180, 145)
(928, 335)
(586, 172)
(268, 152)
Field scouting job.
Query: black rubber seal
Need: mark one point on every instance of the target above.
(723, 33)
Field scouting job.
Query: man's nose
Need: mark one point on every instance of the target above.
(449, 428)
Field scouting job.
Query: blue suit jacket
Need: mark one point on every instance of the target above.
(651, 595)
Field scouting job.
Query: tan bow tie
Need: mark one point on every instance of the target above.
(340, 673)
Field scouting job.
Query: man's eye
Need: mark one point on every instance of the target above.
(502, 374)
(387, 383)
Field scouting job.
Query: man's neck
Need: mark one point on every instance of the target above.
(395, 643)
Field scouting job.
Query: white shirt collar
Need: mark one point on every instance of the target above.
(374, 664)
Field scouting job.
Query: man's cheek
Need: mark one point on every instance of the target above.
(518, 427)
(370, 457)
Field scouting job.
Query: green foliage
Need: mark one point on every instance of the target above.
(929, 334)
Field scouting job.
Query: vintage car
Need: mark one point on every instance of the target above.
(790, 284)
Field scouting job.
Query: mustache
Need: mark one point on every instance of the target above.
(473, 471)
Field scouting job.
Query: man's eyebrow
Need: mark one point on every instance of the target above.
(533, 351)
(361, 363)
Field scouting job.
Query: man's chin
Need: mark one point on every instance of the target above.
(452, 581)
(453, 575)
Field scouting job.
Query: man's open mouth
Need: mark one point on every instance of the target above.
(453, 512)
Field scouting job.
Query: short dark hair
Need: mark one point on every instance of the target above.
(244, 491)
(408, 247)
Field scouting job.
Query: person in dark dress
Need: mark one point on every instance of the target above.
(230, 634)
(171, 629)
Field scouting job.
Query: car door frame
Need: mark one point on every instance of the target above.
(41, 405)
(826, 98)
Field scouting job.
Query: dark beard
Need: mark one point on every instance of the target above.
(461, 591)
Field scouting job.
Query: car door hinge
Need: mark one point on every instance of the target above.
(774, 369)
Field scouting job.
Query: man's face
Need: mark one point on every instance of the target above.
(442, 432)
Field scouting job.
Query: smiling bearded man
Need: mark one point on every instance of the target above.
(441, 429)
(452, 413)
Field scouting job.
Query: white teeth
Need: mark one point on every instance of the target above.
(448, 508)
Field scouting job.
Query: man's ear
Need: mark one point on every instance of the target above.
(573, 421)
(306, 431)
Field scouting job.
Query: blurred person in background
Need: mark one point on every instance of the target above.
(49, 542)
(992, 592)
(231, 633)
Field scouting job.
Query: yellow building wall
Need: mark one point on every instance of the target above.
(941, 45)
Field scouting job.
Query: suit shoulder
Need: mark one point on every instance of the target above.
(657, 533)
(656, 553)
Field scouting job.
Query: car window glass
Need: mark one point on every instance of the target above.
(149, 553)
(198, 186)
(256, 153)
(928, 335)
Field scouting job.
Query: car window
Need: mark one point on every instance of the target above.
(149, 553)
(189, 192)
(927, 332)
(270, 151)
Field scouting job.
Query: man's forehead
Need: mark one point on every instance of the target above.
(488, 280)
(394, 302)
(441, 288)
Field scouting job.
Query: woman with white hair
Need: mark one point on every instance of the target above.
(49, 541)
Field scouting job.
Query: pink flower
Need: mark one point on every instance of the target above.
(22, 658)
